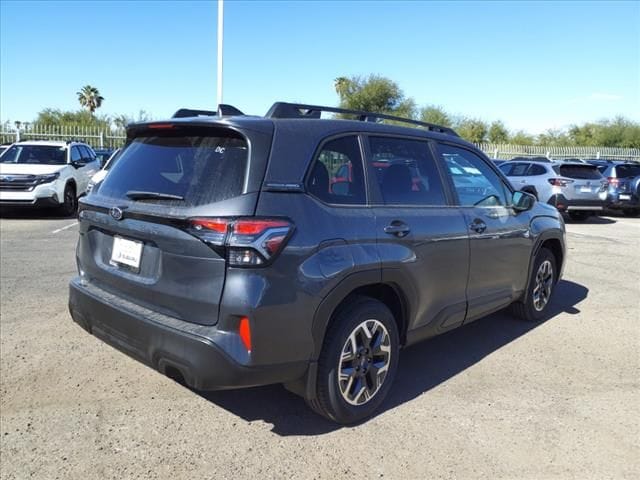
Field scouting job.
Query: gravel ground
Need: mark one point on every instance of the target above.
(496, 399)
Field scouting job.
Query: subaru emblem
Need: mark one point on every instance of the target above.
(116, 213)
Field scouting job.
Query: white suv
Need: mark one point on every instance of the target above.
(42, 173)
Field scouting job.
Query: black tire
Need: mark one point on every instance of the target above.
(69, 205)
(579, 216)
(528, 307)
(330, 400)
(630, 212)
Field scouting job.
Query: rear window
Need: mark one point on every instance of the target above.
(626, 171)
(581, 172)
(183, 169)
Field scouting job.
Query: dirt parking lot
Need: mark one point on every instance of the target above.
(498, 398)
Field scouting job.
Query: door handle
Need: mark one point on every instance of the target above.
(397, 228)
(478, 226)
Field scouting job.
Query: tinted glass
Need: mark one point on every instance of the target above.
(475, 182)
(200, 168)
(86, 153)
(406, 172)
(35, 154)
(626, 171)
(75, 154)
(519, 170)
(337, 175)
(536, 170)
(581, 172)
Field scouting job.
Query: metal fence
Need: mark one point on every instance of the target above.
(506, 152)
(96, 137)
(112, 138)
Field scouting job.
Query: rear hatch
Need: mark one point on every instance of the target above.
(625, 174)
(136, 234)
(582, 181)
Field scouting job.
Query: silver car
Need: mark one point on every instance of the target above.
(578, 189)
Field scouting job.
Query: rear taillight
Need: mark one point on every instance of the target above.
(613, 181)
(247, 242)
(559, 182)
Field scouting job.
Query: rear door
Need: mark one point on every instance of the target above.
(499, 238)
(422, 238)
(136, 237)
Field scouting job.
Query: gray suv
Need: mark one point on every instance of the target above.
(231, 251)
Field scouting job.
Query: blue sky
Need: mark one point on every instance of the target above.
(535, 65)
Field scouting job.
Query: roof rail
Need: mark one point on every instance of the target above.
(296, 110)
(223, 110)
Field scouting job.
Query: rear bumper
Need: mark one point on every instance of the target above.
(207, 359)
(622, 201)
(566, 205)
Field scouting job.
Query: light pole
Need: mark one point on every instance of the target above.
(220, 36)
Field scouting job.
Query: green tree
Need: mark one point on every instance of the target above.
(472, 129)
(90, 98)
(435, 114)
(554, 138)
(373, 94)
(50, 116)
(521, 138)
(498, 133)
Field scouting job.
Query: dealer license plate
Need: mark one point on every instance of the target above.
(126, 252)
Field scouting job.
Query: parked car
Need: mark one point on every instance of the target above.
(46, 174)
(4, 147)
(100, 174)
(103, 154)
(624, 180)
(216, 252)
(578, 189)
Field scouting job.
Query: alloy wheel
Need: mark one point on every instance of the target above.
(543, 285)
(364, 362)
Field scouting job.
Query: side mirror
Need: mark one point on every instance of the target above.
(522, 201)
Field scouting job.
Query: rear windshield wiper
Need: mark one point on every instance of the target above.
(140, 195)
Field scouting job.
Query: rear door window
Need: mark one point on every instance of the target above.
(536, 170)
(580, 172)
(406, 172)
(185, 168)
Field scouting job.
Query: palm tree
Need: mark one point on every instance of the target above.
(342, 84)
(90, 98)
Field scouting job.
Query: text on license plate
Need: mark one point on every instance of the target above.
(585, 189)
(126, 252)
(622, 196)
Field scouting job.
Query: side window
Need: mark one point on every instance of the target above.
(406, 172)
(86, 154)
(520, 170)
(537, 169)
(75, 154)
(337, 175)
(474, 181)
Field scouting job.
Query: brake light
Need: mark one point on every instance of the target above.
(613, 181)
(247, 241)
(559, 182)
(160, 125)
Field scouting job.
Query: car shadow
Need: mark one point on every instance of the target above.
(422, 367)
(592, 220)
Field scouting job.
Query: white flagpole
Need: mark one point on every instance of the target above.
(220, 36)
